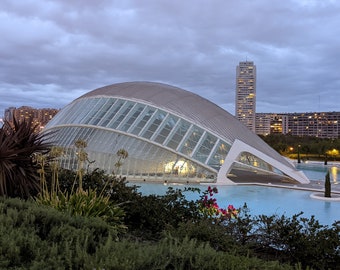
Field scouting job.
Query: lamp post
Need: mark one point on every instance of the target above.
(299, 160)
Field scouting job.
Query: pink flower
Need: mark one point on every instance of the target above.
(231, 207)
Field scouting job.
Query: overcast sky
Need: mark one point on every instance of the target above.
(54, 51)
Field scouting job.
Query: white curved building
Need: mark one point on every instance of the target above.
(170, 135)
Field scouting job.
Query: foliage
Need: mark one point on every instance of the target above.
(290, 239)
(210, 209)
(148, 216)
(18, 169)
(73, 198)
(122, 155)
(42, 238)
(310, 147)
(327, 185)
(180, 237)
(82, 157)
(39, 237)
(87, 204)
(205, 231)
(294, 240)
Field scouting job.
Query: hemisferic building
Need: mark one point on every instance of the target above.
(170, 135)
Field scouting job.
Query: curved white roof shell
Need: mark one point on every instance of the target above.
(213, 143)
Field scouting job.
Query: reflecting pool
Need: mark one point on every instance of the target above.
(269, 200)
(317, 171)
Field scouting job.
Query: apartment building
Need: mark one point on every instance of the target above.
(318, 124)
(38, 117)
(245, 108)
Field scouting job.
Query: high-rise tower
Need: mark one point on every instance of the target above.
(245, 105)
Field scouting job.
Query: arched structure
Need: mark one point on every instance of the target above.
(170, 135)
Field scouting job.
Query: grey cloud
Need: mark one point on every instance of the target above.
(58, 50)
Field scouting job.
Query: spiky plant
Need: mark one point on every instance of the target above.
(19, 143)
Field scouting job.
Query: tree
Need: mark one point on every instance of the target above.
(19, 144)
(327, 185)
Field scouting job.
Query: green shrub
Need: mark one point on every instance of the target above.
(295, 240)
(42, 236)
(290, 239)
(39, 237)
(172, 253)
(148, 216)
(88, 204)
(205, 231)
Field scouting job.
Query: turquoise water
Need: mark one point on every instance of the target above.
(269, 200)
(317, 171)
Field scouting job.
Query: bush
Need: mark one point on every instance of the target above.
(294, 240)
(88, 204)
(290, 239)
(205, 231)
(39, 237)
(148, 216)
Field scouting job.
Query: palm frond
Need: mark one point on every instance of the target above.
(18, 145)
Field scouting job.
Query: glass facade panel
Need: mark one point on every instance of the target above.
(80, 113)
(251, 160)
(191, 142)
(169, 124)
(145, 160)
(94, 104)
(203, 151)
(135, 112)
(175, 139)
(99, 108)
(154, 124)
(106, 108)
(144, 119)
(112, 112)
(219, 155)
(121, 114)
(241, 173)
(72, 114)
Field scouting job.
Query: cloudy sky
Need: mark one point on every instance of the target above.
(54, 51)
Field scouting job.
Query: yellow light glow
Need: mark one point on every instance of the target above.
(180, 167)
(334, 174)
(333, 152)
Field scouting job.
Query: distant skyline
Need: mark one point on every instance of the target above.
(52, 51)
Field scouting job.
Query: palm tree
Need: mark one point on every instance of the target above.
(19, 143)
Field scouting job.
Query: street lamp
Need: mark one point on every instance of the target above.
(299, 160)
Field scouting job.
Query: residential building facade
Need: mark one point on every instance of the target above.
(317, 124)
(38, 117)
(245, 108)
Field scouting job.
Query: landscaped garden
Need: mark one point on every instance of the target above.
(52, 218)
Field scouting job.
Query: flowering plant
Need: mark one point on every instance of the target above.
(210, 208)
